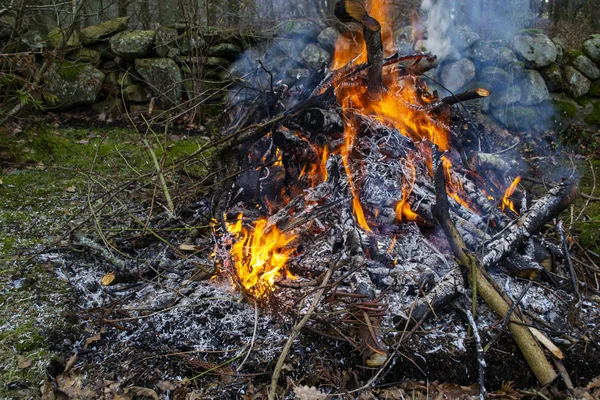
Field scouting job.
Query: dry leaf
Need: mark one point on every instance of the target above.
(91, 339)
(1, 181)
(83, 141)
(309, 393)
(164, 386)
(70, 189)
(23, 363)
(71, 363)
(594, 383)
(108, 279)
(188, 247)
(47, 391)
(143, 392)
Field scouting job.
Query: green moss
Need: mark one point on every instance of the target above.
(572, 55)
(70, 69)
(566, 109)
(530, 31)
(594, 117)
(589, 230)
(582, 101)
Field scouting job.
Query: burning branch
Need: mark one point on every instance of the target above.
(354, 11)
(531, 350)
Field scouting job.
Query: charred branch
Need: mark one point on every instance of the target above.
(466, 96)
(542, 212)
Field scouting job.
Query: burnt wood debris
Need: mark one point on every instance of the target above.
(332, 170)
(350, 181)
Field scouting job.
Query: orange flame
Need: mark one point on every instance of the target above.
(398, 106)
(506, 201)
(259, 255)
(454, 187)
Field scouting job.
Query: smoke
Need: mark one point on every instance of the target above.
(437, 24)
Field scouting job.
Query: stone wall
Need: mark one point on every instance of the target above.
(533, 79)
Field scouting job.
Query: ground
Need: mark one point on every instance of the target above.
(49, 176)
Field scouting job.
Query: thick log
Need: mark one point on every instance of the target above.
(484, 287)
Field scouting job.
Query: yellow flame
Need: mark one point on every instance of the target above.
(259, 255)
(506, 201)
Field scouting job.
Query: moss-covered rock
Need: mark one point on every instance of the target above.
(302, 28)
(594, 89)
(190, 43)
(85, 55)
(594, 117)
(70, 84)
(497, 77)
(95, 33)
(56, 38)
(135, 93)
(166, 42)
(516, 117)
(577, 85)
(315, 56)
(591, 48)
(228, 51)
(553, 77)
(506, 96)
(133, 44)
(566, 108)
(163, 76)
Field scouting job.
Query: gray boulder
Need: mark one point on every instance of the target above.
(534, 48)
(164, 78)
(95, 33)
(303, 28)
(534, 89)
(71, 84)
(505, 97)
(166, 42)
(327, 38)
(133, 44)
(591, 48)
(561, 50)
(463, 38)
(577, 85)
(457, 74)
(34, 39)
(496, 77)
(190, 43)
(584, 65)
(491, 53)
(553, 77)
(228, 51)
(315, 56)
(516, 117)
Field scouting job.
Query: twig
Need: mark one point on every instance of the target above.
(298, 328)
(480, 354)
(238, 369)
(574, 284)
(161, 178)
(512, 308)
(86, 242)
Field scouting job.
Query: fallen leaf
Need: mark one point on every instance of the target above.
(83, 141)
(71, 363)
(108, 279)
(23, 363)
(164, 386)
(188, 247)
(91, 340)
(143, 392)
(47, 391)
(594, 383)
(70, 189)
